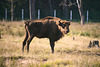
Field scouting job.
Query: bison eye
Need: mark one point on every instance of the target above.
(63, 26)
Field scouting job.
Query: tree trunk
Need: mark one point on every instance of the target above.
(51, 10)
(65, 5)
(80, 8)
(32, 9)
(65, 12)
(12, 11)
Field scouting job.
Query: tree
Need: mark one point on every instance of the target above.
(80, 8)
(12, 11)
(51, 9)
(65, 6)
(32, 9)
(3, 5)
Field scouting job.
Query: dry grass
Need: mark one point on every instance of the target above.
(68, 52)
(90, 30)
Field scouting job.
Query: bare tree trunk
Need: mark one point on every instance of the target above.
(32, 9)
(80, 8)
(12, 11)
(65, 4)
(65, 12)
(51, 10)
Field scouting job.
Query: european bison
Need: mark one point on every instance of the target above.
(50, 27)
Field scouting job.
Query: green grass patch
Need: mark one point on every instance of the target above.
(2, 62)
(85, 34)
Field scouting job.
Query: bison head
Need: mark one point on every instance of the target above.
(64, 26)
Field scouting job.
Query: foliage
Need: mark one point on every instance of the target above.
(92, 6)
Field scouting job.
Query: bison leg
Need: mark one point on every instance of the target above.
(52, 45)
(24, 42)
(28, 42)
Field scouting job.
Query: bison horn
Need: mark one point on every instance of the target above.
(27, 22)
(60, 23)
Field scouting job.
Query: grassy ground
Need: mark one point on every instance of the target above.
(68, 52)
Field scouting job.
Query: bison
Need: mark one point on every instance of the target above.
(52, 28)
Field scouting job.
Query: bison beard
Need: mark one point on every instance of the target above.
(50, 27)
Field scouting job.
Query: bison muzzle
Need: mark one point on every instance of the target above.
(49, 27)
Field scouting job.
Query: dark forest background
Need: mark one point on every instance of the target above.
(93, 6)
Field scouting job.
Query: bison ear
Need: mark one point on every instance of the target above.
(60, 23)
(69, 22)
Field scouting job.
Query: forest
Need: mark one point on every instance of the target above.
(46, 8)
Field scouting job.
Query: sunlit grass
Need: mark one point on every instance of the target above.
(90, 30)
(68, 52)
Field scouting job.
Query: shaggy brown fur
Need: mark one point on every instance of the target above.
(48, 27)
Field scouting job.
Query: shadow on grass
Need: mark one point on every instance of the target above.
(80, 52)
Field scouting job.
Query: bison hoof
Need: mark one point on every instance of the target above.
(52, 52)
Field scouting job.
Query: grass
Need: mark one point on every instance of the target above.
(12, 28)
(90, 30)
(68, 52)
